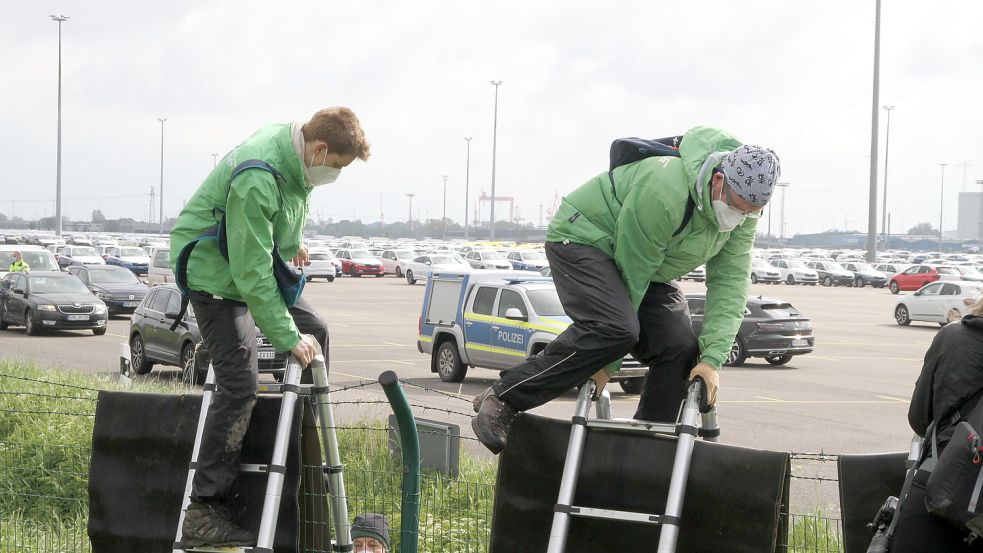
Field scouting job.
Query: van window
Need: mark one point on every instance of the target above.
(484, 300)
(162, 259)
(159, 302)
(511, 298)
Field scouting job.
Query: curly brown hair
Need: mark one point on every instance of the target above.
(339, 127)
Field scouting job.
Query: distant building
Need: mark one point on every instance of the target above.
(970, 210)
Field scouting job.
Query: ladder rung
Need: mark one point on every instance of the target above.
(246, 467)
(301, 389)
(634, 425)
(611, 514)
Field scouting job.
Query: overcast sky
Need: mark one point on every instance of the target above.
(791, 75)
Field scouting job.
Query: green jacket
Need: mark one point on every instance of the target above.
(258, 212)
(17, 266)
(636, 229)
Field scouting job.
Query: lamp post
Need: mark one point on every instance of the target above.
(467, 182)
(162, 120)
(60, 19)
(872, 202)
(443, 219)
(491, 232)
(887, 151)
(410, 219)
(781, 225)
(941, 202)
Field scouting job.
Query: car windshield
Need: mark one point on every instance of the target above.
(947, 271)
(356, 254)
(57, 285)
(491, 255)
(405, 254)
(533, 256)
(110, 276)
(546, 302)
(864, 267)
(132, 252)
(833, 266)
(91, 252)
(760, 263)
(441, 260)
(796, 265)
(319, 257)
(37, 261)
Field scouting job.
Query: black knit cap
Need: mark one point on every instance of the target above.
(371, 525)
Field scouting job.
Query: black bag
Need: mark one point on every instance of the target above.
(953, 489)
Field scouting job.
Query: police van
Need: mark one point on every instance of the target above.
(495, 320)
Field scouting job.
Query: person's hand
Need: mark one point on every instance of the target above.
(302, 258)
(711, 379)
(601, 379)
(305, 350)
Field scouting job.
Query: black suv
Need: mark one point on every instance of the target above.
(772, 329)
(153, 342)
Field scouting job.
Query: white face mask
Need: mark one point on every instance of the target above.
(319, 174)
(728, 218)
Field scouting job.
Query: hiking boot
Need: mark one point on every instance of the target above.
(205, 525)
(491, 424)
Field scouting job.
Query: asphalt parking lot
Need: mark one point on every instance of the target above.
(849, 396)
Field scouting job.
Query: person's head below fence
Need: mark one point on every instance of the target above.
(370, 533)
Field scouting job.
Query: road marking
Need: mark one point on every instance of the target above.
(881, 344)
(877, 358)
(117, 335)
(333, 361)
(365, 324)
(898, 399)
(388, 345)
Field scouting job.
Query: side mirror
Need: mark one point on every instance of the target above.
(171, 314)
(428, 263)
(19, 291)
(514, 314)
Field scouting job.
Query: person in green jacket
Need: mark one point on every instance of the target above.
(19, 264)
(615, 246)
(231, 298)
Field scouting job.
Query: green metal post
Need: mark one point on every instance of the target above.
(410, 446)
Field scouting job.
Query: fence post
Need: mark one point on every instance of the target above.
(410, 447)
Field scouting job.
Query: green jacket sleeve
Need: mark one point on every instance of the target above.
(642, 234)
(251, 208)
(728, 283)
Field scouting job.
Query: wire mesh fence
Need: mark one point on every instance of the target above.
(46, 421)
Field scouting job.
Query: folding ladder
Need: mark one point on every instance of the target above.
(686, 428)
(276, 470)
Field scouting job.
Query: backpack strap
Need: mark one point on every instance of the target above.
(687, 215)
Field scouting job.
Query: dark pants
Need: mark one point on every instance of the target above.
(919, 531)
(605, 328)
(229, 333)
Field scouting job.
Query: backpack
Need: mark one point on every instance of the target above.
(632, 149)
(290, 284)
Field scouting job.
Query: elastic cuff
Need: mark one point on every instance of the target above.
(712, 362)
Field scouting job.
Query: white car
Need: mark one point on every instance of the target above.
(487, 259)
(320, 265)
(940, 302)
(891, 269)
(762, 271)
(698, 274)
(794, 271)
(419, 268)
(391, 260)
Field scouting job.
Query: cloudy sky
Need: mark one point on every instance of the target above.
(795, 76)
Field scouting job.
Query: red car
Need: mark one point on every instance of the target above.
(916, 276)
(359, 262)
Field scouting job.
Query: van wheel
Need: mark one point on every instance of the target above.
(138, 356)
(632, 385)
(448, 362)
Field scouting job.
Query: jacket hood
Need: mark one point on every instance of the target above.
(702, 149)
(973, 321)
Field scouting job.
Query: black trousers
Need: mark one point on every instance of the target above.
(919, 531)
(605, 328)
(229, 333)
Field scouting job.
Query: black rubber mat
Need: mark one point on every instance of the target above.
(141, 447)
(865, 482)
(733, 502)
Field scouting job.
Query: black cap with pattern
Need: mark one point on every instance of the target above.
(752, 172)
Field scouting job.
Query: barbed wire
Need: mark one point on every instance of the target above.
(33, 412)
(434, 390)
(48, 396)
(4, 375)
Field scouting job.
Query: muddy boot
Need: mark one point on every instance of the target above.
(204, 524)
(491, 424)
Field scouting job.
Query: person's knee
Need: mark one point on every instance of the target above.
(624, 337)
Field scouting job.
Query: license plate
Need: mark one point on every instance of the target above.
(130, 303)
(799, 342)
(267, 354)
(78, 317)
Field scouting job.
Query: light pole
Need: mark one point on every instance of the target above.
(941, 202)
(980, 239)
(872, 202)
(162, 119)
(887, 151)
(491, 232)
(214, 160)
(467, 182)
(60, 19)
(782, 184)
(781, 225)
(443, 219)
(410, 219)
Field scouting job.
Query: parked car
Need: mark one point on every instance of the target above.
(527, 260)
(153, 342)
(937, 302)
(831, 273)
(359, 262)
(419, 268)
(762, 271)
(771, 329)
(37, 258)
(487, 259)
(160, 266)
(320, 265)
(969, 272)
(795, 271)
(391, 260)
(864, 274)
(42, 300)
(117, 287)
(890, 269)
(79, 255)
(916, 276)
(698, 274)
(128, 257)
